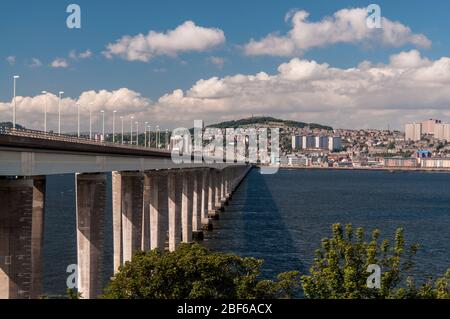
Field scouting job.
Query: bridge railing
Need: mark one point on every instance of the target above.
(71, 139)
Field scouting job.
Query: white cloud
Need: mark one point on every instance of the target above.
(408, 88)
(217, 61)
(35, 63)
(11, 60)
(345, 26)
(82, 55)
(186, 37)
(59, 63)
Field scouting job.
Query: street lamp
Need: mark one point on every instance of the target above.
(145, 134)
(78, 116)
(131, 133)
(121, 119)
(149, 136)
(114, 126)
(167, 138)
(103, 127)
(137, 133)
(90, 120)
(45, 111)
(59, 112)
(157, 136)
(15, 77)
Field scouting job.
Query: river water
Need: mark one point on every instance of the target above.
(282, 218)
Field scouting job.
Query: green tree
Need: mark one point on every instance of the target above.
(194, 272)
(340, 266)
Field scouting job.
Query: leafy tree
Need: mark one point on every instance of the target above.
(193, 272)
(72, 294)
(340, 266)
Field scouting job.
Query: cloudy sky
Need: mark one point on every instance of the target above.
(172, 62)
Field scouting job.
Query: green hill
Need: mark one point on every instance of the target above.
(268, 122)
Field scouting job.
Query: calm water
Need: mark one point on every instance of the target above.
(281, 218)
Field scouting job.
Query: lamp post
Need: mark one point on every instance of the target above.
(45, 111)
(78, 118)
(90, 120)
(114, 126)
(145, 134)
(15, 77)
(167, 138)
(157, 136)
(131, 127)
(59, 112)
(149, 136)
(103, 125)
(121, 119)
(137, 133)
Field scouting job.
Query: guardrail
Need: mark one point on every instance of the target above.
(72, 139)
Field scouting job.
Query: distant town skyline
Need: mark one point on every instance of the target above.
(173, 62)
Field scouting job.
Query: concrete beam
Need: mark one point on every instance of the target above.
(90, 206)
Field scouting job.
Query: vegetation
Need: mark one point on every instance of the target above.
(193, 272)
(339, 271)
(265, 120)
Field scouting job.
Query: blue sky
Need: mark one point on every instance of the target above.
(37, 29)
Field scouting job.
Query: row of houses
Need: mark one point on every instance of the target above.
(409, 162)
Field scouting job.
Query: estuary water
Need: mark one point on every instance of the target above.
(282, 218)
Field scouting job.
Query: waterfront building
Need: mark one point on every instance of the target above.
(400, 162)
(435, 162)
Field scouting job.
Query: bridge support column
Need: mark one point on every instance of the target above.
(197, 212)
(186, 207)
(132, 214)
(117, 220)
(206, 221)
(212, 212)
(218, 191)
(158, 210)
(174, 190)
(90, 197)
(21, 237)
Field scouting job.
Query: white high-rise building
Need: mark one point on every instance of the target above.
(439, 131)
(321, 142)
(335, 143)
(413, 132)
(296, 142)
(308, 141)
(428, 126)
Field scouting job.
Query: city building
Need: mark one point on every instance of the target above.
(308, 141)
(400, 162)
(428, 126)
(296, 142)
(335, 143)
(413, 132)
(321, 142)
(435, 162)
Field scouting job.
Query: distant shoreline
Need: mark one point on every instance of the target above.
(388, 169)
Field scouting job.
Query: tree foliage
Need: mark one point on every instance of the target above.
(194, 272)
(340, 268)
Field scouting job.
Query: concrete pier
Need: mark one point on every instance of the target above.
(21, 237)
(174, 190)
(90, 207)
(158, 209)
(197, 212)
(218, 191)
(132, 213)
(206, 221)
(186, 207)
